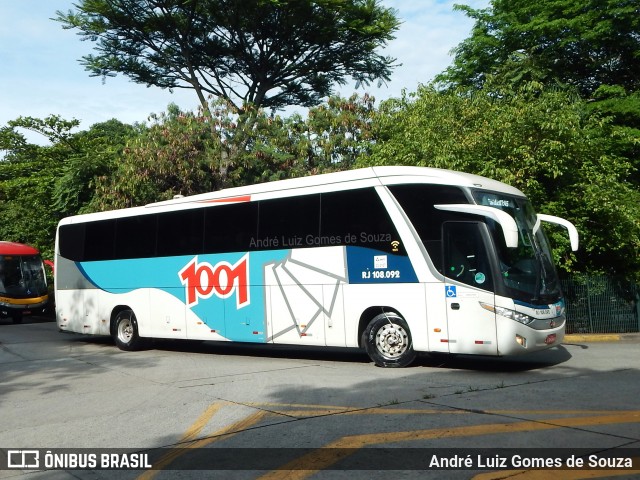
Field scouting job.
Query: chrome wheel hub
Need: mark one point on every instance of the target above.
(392, 341)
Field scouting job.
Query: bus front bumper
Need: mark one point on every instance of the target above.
(23, 306)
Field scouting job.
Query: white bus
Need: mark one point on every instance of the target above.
(395, 260)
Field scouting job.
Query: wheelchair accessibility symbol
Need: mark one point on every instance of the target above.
(450, 291)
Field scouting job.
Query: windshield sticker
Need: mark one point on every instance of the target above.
(498, 202)
(480, 278)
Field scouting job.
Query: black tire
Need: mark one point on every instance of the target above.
(125, 331)
(387, 340)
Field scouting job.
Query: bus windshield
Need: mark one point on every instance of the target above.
(22, 276)
(527, 271)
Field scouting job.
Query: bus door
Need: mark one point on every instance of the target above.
(468, 281)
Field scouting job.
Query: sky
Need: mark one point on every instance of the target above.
(40, 74)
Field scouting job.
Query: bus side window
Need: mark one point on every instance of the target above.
(359, 218)
(180, 233)
(136, 237)
(71, 241)
(417, 201)
(293, 221)
(99, 240)
(465, 254)
(230, 228)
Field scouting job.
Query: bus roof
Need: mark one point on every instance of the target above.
(379, 175)
(12, 248)
(357, 178)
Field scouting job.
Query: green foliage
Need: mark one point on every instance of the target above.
(113, 165)
(28, 174)
(184, 153)
(571, 157)
(614, 101)
(96, 152)
(623, 109)
(542, 141)
(41, 183)
(24, 200)
(265, 53)
(341, 131)
(588, 150)
(173, 156)
(583, 43)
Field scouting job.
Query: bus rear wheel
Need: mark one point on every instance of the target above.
(125, 332)
(387, 340)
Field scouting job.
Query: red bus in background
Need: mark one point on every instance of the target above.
(23, 283)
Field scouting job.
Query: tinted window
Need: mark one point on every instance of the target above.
(358, 217)
(88, 242)
(230, 228)
(99, 240)
(71, 242)
(418, 202)
(352, 217)
(293, 222)
(180, 233)
(136, 237)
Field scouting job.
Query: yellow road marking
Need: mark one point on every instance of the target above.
(322, 458)
(197, 426)
(191, 433)
(194, 430)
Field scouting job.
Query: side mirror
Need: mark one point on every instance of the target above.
(506, 221)
(573, 232)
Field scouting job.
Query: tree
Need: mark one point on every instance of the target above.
(583, 43)
(175, 155)
(542, 141)
(25, 197)
(624, 111)
(28, 174)
(268, 53)
(179, 155)
(94, 154)
(39, 184)
(339, 132)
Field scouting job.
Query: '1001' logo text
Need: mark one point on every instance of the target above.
(202, 280)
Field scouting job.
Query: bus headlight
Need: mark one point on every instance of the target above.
(510, 314)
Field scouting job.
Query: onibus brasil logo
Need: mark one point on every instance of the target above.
(203, 280)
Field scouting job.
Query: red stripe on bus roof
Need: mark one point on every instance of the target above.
(243, 198)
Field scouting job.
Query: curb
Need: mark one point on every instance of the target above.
(601, 337)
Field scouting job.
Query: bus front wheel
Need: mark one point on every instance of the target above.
(126, 331)
(387, 340)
